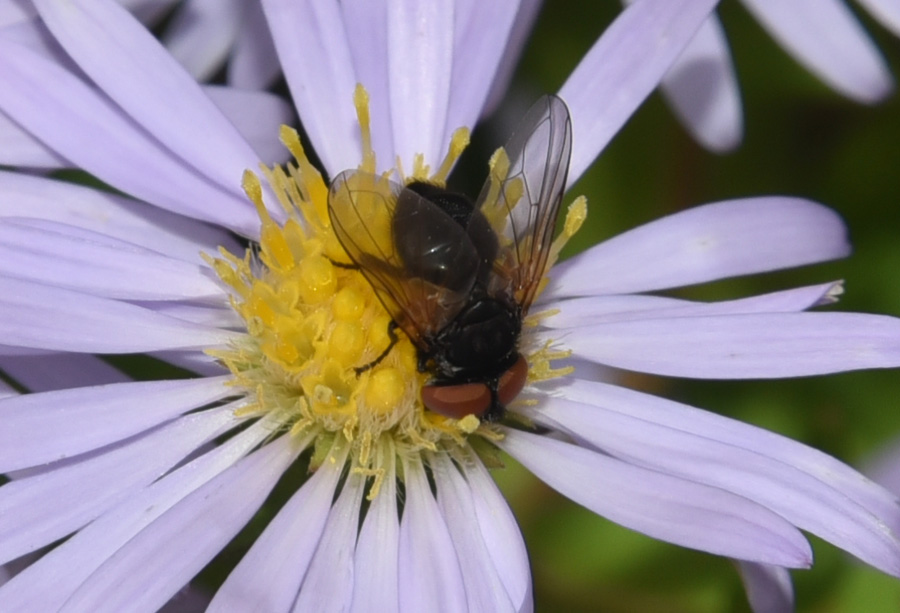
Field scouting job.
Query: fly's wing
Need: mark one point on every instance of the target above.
(419, 261)
(522, 205)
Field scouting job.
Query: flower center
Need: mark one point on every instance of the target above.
(316, 329)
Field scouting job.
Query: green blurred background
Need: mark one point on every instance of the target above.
(800, 139)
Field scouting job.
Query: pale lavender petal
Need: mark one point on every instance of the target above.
(48, 583)
(799, 497)
(131, 67)
(484, 587)
(10, 351)
(269, 575)
(429, 573)
(189, 599)
(366, 25)
(591, 309)
(37, 428)
(34, 35)
(73, 258)
(112, 215)
(14, 567)
(58, 371)
(149, 11)
(19, 148)
(714, 241)
(5, 574)
(193, 361)
(66, 113)
(42, 317)
(576, 312)
(205, 315)
(15, 12)
(501, 535)
(40, 509)
(254, 62)
(662, 506)
(328, 584)
(481, 33)
(738, 434)
(376, 582)
(885, 11)
(420, 60)
(6, 392)
(826, 37)
(310, 38)
(147, 570)
(590, 371)
(59, 464)
(518, 36)
(752, 346)
(769, 588)
(258, 116)
(702, 89)
(622, 68)
(201, 33)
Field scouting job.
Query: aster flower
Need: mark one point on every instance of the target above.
(822, 35)
(152, 479)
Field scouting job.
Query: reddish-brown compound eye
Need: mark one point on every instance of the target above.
(457, 401)
(512, 382)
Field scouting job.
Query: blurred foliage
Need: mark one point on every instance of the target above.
(800, 139)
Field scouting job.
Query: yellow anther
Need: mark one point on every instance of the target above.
(291, 139)
(275, 249)
(253, 189)
(347, 342)
(419, 168)
(398, 166)
(378, 333)
(458, 143)
(259, 307)
(317, 279)
(286, 351)
(499, 165)
(308, 177)
(349, 304)
(361, 102)
(575, 216)
(385, 390)
(468, 424)
(494, 207)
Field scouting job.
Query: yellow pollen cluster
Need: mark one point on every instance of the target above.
(315, 326)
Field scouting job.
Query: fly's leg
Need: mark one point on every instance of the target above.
(344, 266)
(496, 411)
(392, 335)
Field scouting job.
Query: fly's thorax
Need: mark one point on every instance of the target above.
(480, 343)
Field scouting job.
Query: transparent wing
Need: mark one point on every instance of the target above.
(419, 261)
(522, 204)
